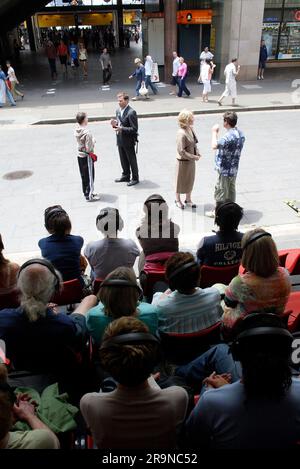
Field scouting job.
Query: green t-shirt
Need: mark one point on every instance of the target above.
(32, 439)
(97, 321)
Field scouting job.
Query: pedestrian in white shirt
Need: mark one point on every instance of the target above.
(205, 77)
(175, 78)
(205, 55)
(231, 72)
(148, 72)
(13, 81)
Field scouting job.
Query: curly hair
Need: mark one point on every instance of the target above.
(185, 280)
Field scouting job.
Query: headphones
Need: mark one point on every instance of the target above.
(131, 338)
(155, 198)
(259, 331)
(52, 212)
(122, 283)
(220, 208)
(255, 237)
(105, 212)
(178, 271)
(47, 264)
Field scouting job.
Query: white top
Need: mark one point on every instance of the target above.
(230, 73)
(205, 71)
(176, 65)
(148, 67)
(82, 54)
(206, 55)
(11, 74)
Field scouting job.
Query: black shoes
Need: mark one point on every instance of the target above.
(122, 179)
(133, 182)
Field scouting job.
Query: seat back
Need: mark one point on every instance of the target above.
(212, 275)
(10, 300)
(70, 294)
(182, 348)
(96, 285)
(153, 272)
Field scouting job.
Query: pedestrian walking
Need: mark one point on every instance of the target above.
(106, 65)
(205, 77)
(13, 81)
(4, 90)
(228, 153)
(73, 52)
(175, 79)
(50, 52)
(182, 74)
(231, 72)
(62, 52)
(140, 76)
(83, 58)
(205, 55)
(187, 155)
(126, 127)
(148, 73)
(263, 57)
(85, 156)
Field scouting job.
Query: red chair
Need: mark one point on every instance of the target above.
(292, 263)
(293, 307)
(294, 322)
(96, 285)
(10, 300)
(211, 275)
(70, 294)
(153, 271)
(182, 348)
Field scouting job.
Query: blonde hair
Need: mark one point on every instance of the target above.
(261, 256)
(184, 118)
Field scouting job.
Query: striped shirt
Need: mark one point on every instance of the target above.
(184, 314)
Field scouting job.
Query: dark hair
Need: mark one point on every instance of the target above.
(130, 365)
(80, 116)
(234, 60)
(2, 258)
(231, 118)
(208, 61)
(57, 221)
(228, 216)
(186, 280)
(6, 413)
(124, 95)
(265, 359)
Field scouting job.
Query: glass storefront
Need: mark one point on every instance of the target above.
(281, 29)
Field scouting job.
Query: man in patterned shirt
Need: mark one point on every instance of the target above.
(229, 149)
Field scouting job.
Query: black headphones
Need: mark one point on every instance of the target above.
(122, 283)
(104, 212)
(155, 198)
(45, 263)
(263, 330)
(129, 339)
(178, 271)
(52, 212)
(254, 238)
(220, 208)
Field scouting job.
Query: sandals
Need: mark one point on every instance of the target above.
(179, 204)
(190, 204)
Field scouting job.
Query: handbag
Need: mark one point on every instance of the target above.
(143, 90)
(93, 156)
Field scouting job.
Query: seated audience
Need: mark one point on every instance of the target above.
(61, 248)
(39, 437)
(265, 286)
(119, 299)
(37, 338)
(186, 308)
(137, 414)
(157, 233)
(8, 273)
(262, 410)
(225, 247)
(107, 254)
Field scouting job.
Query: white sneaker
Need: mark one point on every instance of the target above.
(210, 214)
(134, 98)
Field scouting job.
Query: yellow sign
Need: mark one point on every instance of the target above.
(129, 17)
(85, 19)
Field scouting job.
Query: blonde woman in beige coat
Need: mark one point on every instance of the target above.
(187, 155)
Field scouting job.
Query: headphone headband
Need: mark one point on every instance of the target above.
(155, 198)
(255, 237)
(129, 339)
(264, 330)
(119, 283)
(182, 268)
(225, 204)
(45, 263)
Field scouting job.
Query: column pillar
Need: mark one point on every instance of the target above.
(30, 34)
(120, 23)
(170, 35)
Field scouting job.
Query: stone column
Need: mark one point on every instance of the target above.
(120, 23)
(170, 35)
(238, 27)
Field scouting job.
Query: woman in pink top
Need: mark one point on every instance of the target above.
(182, 73)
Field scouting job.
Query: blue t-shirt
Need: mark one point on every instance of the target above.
(97, 321)
(73, 50)
(39, 345)
(221, 249)
(229, 152)
(64, 253)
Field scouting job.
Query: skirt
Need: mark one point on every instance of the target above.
(206, 87)
(185, 176)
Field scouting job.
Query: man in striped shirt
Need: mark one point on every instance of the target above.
(186, 308)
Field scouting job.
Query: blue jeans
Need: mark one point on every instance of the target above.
(148, 83)
(182, 87)
(138, 86)
(217, 358)
(10, 97)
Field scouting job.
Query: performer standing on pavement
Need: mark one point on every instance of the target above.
(205, 55)
(105, 62)
(231, 72)
(86, 144)
(126, 127)
(263, 57)
(228, 153)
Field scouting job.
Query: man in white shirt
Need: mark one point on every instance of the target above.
(13, 80)
(231, 72)
(205, 54)
(174, 81)
(148, 72)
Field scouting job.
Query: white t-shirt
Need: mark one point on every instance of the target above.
(205, 55)
(145, 418)
(230, 73)
(11, 74)
(176, 65)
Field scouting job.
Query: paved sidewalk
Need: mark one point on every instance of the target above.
(58, 102)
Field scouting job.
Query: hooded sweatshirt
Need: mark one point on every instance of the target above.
(85, 141)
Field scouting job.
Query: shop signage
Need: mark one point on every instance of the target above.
(194, 17)
(297, 15)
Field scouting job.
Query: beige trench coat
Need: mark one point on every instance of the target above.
(187, 153)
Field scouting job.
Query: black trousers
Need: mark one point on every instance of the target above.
(129, 162)
(106, 75)
(87, 173)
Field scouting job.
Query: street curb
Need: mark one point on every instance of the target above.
(219, 110)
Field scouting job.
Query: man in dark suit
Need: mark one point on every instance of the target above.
(126, 128)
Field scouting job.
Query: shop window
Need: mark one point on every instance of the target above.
(289, 45)
(270, 35)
